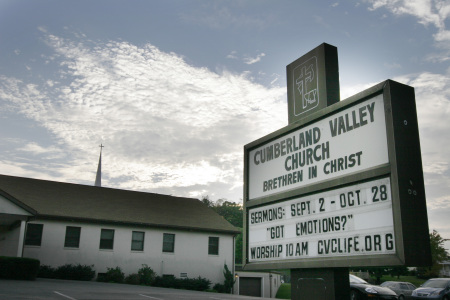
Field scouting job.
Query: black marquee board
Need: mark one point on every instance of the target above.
(341, 187)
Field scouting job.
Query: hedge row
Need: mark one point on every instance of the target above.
(68, 271)
(146, 276)
(196, 284)
(18, 268)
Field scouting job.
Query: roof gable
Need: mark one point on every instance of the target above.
(11, 207)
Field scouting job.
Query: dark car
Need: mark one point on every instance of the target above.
(436, 288)
(362, 290)
(402, 289)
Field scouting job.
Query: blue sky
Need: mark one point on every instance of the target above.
(175, 89)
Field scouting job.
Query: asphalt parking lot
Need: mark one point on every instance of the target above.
(78, 290)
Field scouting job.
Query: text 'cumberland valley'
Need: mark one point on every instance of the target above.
(321, 151)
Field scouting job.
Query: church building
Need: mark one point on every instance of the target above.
(63, 223)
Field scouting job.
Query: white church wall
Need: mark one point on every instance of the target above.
(190, 255)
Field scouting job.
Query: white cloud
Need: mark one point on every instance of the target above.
(442, 36)
(348, 91)
(440, 203)
(246, 59)
(42, 29)
(164, 123)
(232, 55)
(34, 148)
(428, 12)
(169, 127)
(252, 60)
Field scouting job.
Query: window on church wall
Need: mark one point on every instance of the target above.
(107, 239)
(168, 243)
(33, 235)
(72, 239)
(137, 241)
(213, 245)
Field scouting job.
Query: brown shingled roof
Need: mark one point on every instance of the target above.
(52, 199)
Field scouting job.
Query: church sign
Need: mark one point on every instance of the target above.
(320, 151)
(340, 187)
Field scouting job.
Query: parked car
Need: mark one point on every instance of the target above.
(402, 289)
(362, 290)
(436, 288)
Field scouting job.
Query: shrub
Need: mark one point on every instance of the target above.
(197, 284)
(229, 279)
(133, 279)
(220, 288)
(46, 272)
(228, 283)
(167, 281)
(146, 275)
(68, 271)
(113, 275)
(75, 272)
(18, 268)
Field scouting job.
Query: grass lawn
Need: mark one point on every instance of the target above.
(284, 292)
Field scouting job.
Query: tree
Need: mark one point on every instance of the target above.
(377, 273)
(229, 279)
(233, 213)
(227, 286)
(438, 254)
(207, 201)
(238, 248)
(398, 271)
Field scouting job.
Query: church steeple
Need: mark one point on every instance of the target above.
(98, 178)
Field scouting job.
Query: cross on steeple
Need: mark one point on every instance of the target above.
(98, 178)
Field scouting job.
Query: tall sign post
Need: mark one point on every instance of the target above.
(341, 186)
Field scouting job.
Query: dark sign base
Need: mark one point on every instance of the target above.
(320, 284)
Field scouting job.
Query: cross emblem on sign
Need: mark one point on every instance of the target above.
(306, 81)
